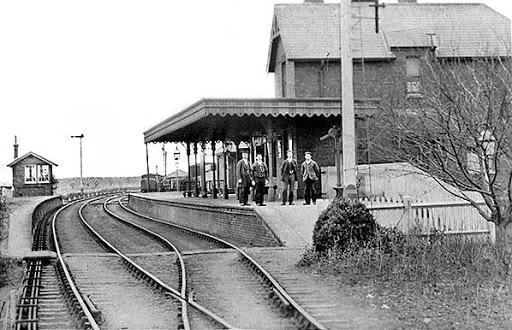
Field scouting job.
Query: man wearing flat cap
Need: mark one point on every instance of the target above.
(289, 177)
(310, 175)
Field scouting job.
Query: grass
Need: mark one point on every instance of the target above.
(4, 262)
(439, 282)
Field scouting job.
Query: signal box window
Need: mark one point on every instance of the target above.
(30, 174)
(43, 173)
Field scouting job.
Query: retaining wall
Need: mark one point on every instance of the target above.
(240, 226)
(43, 209)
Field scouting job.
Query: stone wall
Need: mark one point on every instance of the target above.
(44, 208)
(92, 184)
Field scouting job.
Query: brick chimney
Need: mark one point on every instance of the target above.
(15, 147)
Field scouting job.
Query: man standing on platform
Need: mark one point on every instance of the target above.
(260, 175)
(244, 179)
(289, 177)
(310, 174)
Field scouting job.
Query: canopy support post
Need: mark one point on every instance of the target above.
(214, 170)
(204, 192)
(196, 188)
(189, 188)
(225, 171)
(147, 167)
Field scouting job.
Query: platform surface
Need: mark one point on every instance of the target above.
(19, 239)
(293, 224)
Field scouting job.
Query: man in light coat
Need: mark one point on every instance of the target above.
(310, 174)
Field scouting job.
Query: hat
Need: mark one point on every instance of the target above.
(307, 153)
(290, 150)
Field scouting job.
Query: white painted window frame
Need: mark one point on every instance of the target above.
(34, 174)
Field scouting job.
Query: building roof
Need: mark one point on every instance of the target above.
(208, 114)
(311, 30)
(33, 154)
(181, 174)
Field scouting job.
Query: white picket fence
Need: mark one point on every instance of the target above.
(453, 217)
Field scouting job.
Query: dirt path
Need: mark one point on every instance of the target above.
(11, 270)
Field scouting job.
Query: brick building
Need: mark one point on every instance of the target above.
(304, 58)
(32, 175)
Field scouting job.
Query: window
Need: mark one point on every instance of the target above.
(413, 87)
(43, 173)
(413, 77)
(37, 174)
(484, 158)
(413, 66)
(30, 174)
(473, 163)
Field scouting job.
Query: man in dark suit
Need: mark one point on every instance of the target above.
(310, 174)
(260, 175)
(289, 177)
(244, 178)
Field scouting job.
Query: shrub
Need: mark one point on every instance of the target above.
(4, 269)
(344, 223)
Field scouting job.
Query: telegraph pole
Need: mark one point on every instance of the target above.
(81, 136)
(347, 101)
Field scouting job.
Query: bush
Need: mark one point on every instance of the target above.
(343, 224)
(4, 270)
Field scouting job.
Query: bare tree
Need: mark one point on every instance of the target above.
(458, 130)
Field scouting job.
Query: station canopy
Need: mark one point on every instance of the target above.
(221, 119)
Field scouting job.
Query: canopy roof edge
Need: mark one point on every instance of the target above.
(266, 107)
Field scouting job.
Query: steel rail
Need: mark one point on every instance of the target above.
(183, 290)
(170, 290)
(67, 275)
(304, 318)
(186, 300)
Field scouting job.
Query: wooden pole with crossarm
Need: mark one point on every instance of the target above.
(377, 6)
(347, 101)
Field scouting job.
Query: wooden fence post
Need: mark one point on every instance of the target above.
(492, 231)
(408, 214)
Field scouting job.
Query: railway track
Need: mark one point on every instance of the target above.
(238, 295)
(48, 298)
(115, 269)
(111, 238)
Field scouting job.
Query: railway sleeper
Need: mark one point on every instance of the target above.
(179, 315)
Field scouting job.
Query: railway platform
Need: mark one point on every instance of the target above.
(18, 243)
(290, 225)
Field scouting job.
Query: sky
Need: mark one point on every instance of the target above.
(111, 69)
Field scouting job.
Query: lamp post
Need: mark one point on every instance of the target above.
(164, 154)
(177, 160)
(81, 136)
